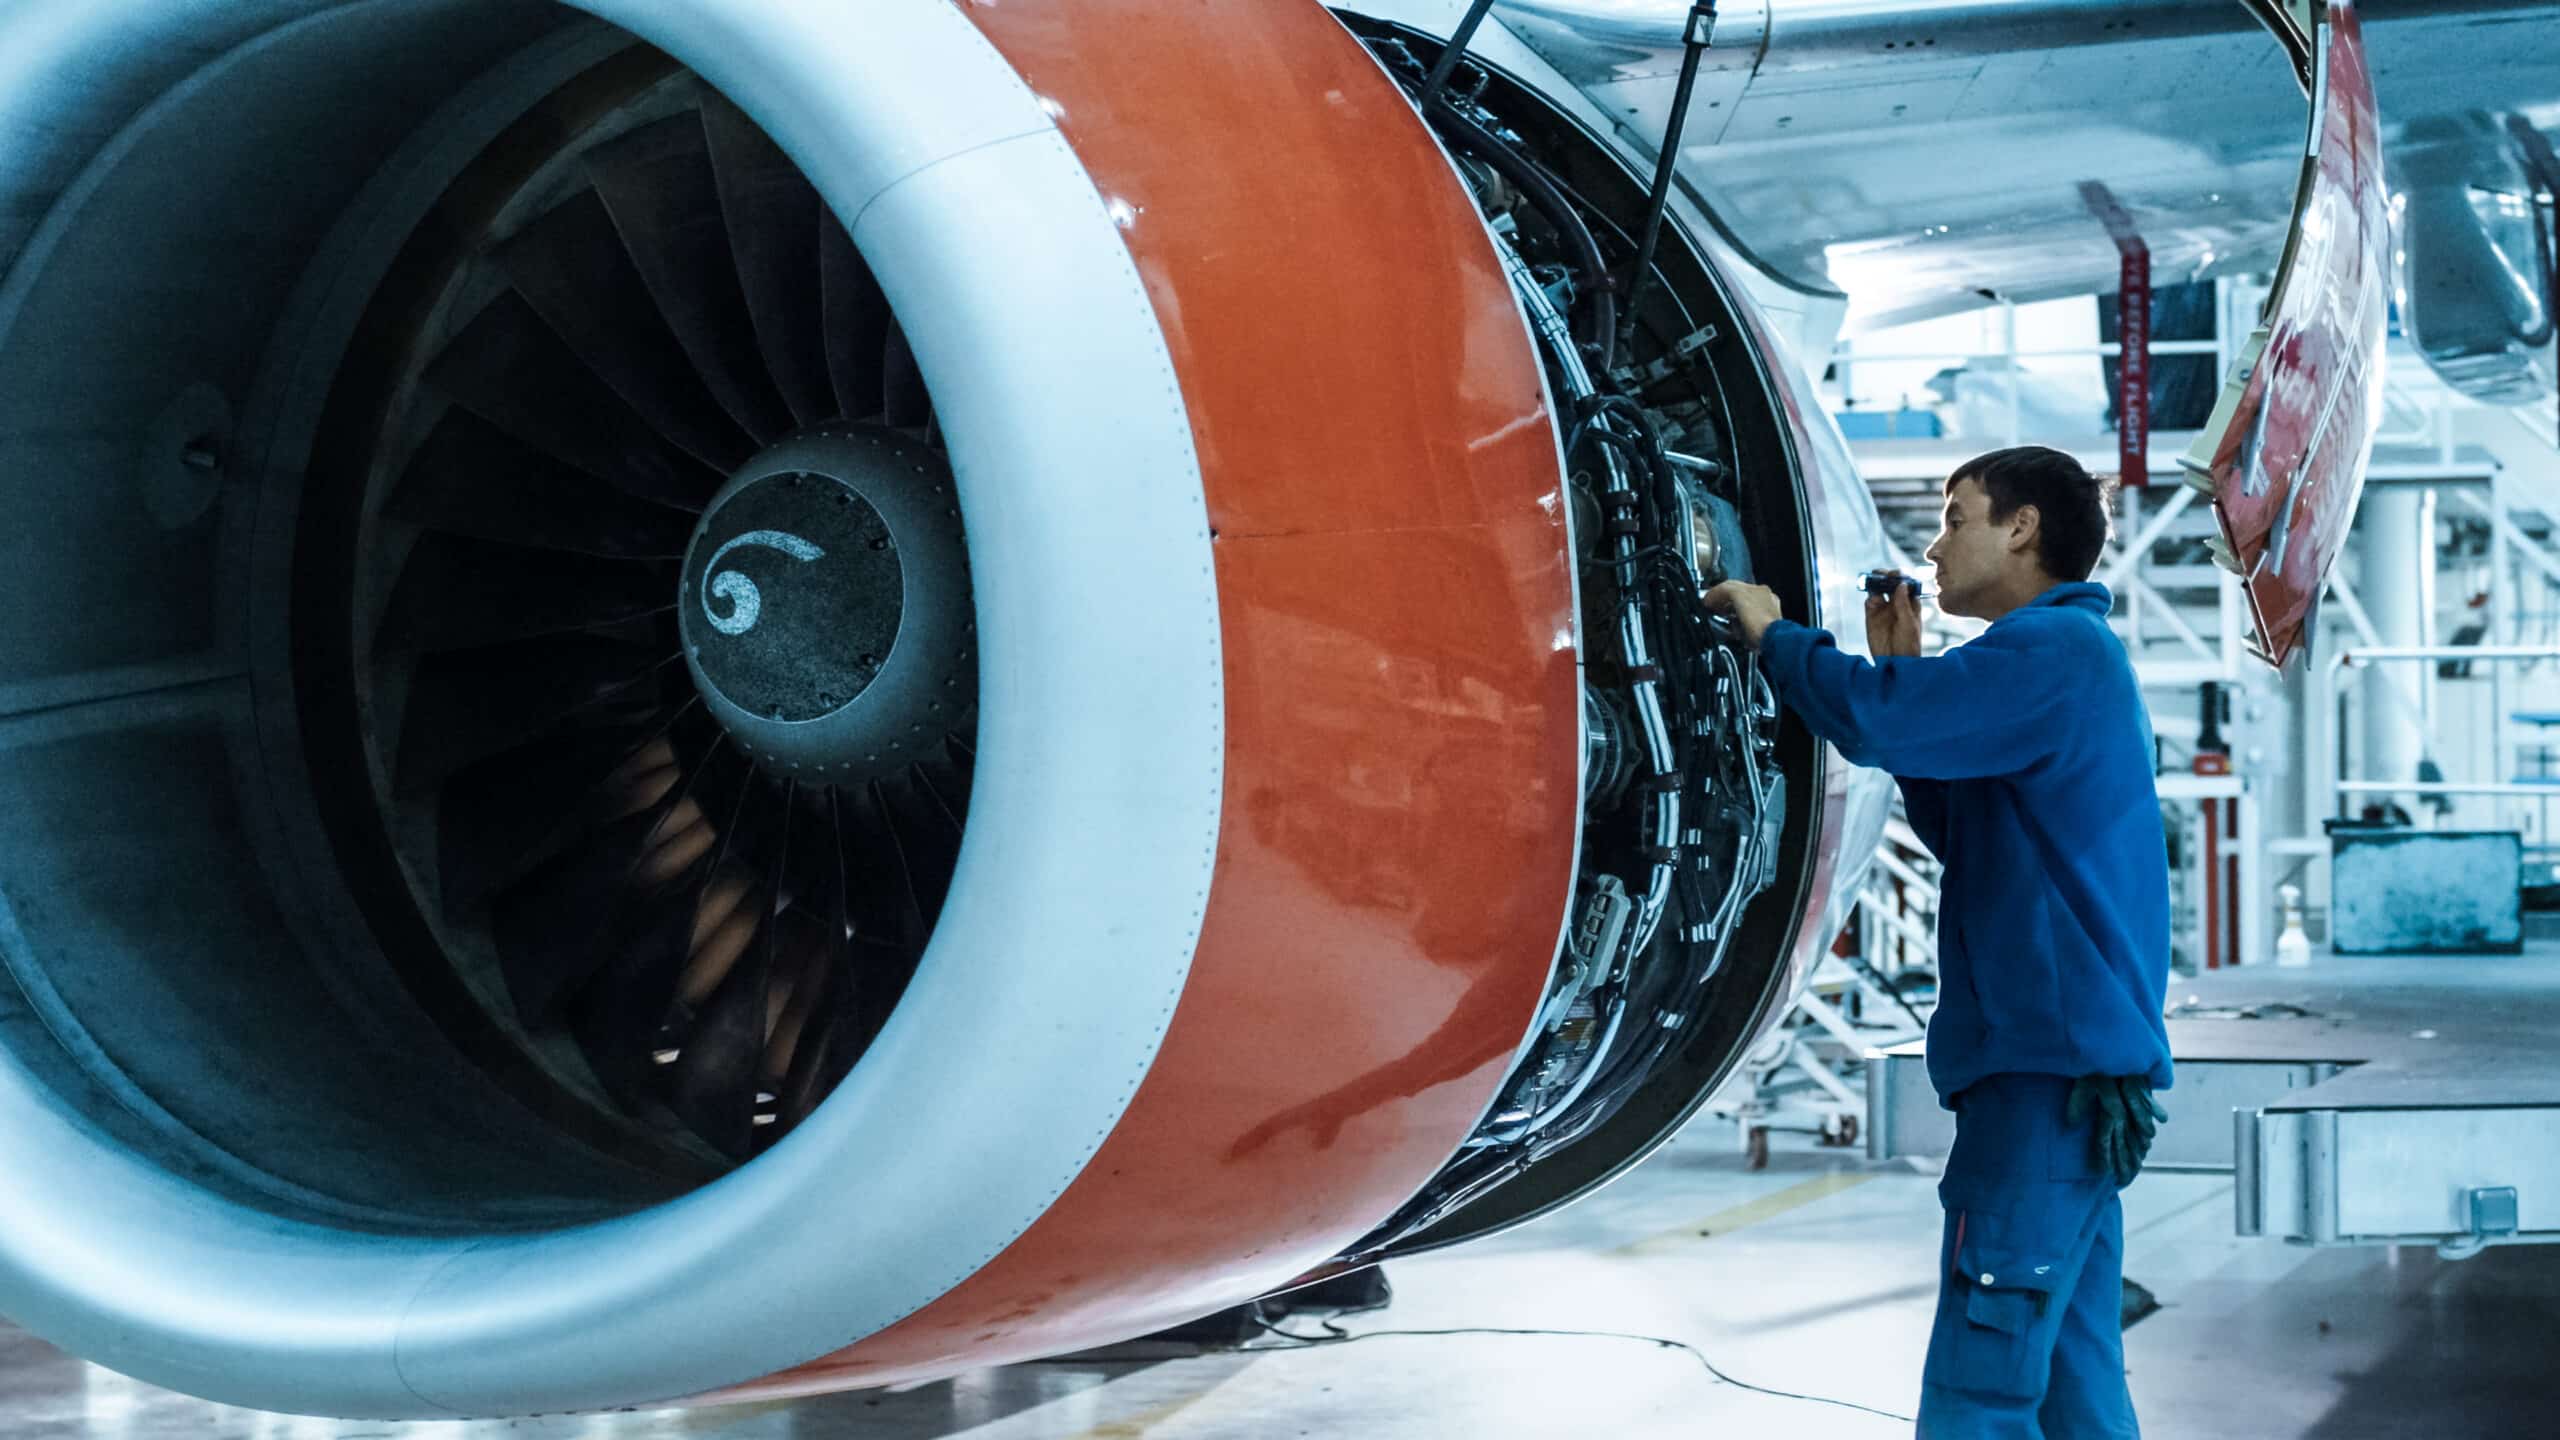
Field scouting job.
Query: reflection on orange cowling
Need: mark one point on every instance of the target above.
(1402, 778)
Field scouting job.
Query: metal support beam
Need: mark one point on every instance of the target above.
(2361, 654)
(2345, 597)
(2517, 541)
(2180, 497)
(1822, 1075)
(2232, 604)
(1912, 935)
(1821, 1012)
(1904, 873)
(2442, 787)
(2169, 616)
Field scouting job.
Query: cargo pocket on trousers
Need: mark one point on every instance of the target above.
(1994, 1342)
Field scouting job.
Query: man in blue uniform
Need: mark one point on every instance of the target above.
(2025, 761)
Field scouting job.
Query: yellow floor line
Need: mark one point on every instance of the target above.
(1135, 1427)
(1726, 1221)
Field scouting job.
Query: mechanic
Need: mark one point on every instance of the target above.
(2025, 762)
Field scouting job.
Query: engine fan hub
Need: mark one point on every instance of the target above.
(825, 605)
(831, 566)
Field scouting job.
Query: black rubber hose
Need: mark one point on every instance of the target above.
(1699, 35)
(1550, 202)
(1890, 993)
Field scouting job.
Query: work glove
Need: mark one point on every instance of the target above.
(2127, 1118)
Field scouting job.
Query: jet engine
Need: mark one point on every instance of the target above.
(2477, 273)
(737, 697)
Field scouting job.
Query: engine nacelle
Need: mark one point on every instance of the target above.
(2471, 268)
(720, 698)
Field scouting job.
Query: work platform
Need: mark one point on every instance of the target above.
(2366, 1100)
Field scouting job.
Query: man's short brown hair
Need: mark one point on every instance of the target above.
(2071, 504)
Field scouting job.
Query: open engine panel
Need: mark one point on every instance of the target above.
(1686, 800)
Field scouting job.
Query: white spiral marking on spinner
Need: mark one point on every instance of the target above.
(746, 602)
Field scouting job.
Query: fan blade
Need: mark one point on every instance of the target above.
(811, 1079)
(571, 264)
(886, 907)
(513, 370)
(721, 1069)
(457, 593)
(836, 1036)
(727, 784)
(809, 877)
(471, 478)
(772, 213)
(798, 1006)
(558, 927)
(715, 1076)
(928, 836)
(616, 1016)
(877, 964)
(858, 321)
(904, 401)
(497, 819)
(946, 778)
(547, 926)
(658, 184)
(469, 706)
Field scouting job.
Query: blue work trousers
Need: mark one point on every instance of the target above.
(2029, 1340)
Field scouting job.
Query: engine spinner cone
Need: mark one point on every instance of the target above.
(826, 609)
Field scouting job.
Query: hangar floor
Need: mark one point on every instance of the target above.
(1813, 1276)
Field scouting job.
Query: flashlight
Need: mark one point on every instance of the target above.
(1880, 584)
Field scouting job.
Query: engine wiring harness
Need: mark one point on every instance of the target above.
(1684, 805)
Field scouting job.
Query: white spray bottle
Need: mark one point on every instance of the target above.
(2293, 948)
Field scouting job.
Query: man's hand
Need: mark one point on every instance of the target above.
(1752, 608)
(1893, 622)
(2127, 1119)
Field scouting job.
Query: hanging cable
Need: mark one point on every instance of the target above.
(1337, 1335)
(1888, 990)
(1701, 34)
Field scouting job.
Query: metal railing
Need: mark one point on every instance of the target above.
(1807, 1068)
(2356, 658)
(1901, 891)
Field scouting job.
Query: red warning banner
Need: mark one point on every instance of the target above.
(2133, 317)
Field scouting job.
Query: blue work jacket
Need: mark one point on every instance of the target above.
(2025, 761)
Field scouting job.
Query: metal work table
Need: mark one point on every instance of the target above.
(2372, 1099)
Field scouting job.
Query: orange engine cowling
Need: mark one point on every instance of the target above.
(725, 700)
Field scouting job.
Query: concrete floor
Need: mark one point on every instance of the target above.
(1813, 1276)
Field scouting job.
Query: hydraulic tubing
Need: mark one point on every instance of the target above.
(1650, 716)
